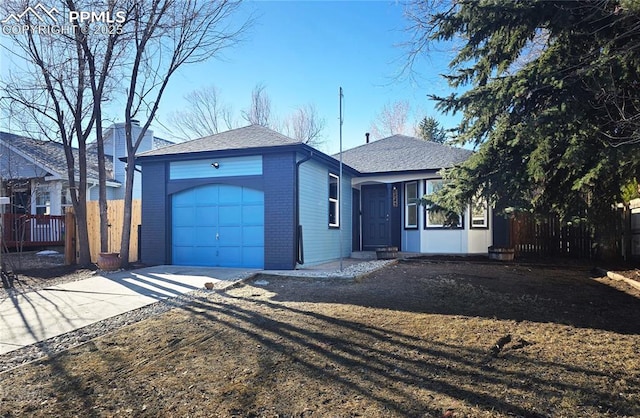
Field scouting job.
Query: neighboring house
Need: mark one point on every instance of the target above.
(251, 197)
(115, 148)
(34, 173)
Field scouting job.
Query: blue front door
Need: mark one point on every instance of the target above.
(376, 217)
(218, 225)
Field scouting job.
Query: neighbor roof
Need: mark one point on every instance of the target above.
(51, 156)
(252, 136)
(402, 153)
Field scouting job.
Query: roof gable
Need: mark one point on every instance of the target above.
(400, 153)
(51, 156)
(252, 136)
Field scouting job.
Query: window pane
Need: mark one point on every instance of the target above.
(434, 185)
(436, 218)
(412, 191)
(333, 187)
(333, 215)
(411, 205)
(479, 213)
(412, 215)
(334, 203)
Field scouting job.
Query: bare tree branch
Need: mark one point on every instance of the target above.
(305, 126)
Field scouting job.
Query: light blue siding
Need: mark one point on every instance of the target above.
(322, 243)
(228, 167)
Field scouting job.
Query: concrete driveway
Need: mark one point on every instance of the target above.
(36, 316)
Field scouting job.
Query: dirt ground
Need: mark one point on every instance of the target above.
(33, 271)
(420, 338)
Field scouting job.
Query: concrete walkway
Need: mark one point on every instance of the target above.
(30, 317)
(36, 316)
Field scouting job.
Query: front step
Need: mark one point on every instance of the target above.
(364, 255)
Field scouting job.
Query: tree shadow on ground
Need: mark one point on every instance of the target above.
(564, 295)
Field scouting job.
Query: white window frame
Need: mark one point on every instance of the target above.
(43, 199)
(410, 206)
(430, 189)
(483, 219)
(65, 199)
(334, 202)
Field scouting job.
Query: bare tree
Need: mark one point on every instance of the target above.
(101, 54)
(204, 115)
(49, 95)
(62, 87)
(392, 120)
(166, 35)
(259, 112)
(305, 125)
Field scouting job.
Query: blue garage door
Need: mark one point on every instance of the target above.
(218, 225)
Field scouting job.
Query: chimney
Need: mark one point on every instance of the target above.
(367, 137)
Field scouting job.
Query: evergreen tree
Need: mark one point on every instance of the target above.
(553, 104)
(429, 129)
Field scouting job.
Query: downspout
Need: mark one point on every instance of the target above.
(299, 247)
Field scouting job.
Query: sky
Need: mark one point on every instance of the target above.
(304, 51)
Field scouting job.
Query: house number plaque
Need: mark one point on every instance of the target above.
(394, 197)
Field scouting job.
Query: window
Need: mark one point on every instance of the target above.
(439, 219)
(334, 201)
(479, 213)
(65, 199)
(411, 205)
(43, 200)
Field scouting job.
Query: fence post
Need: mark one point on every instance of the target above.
(70, 238)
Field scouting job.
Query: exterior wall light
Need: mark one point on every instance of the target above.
(215, 165)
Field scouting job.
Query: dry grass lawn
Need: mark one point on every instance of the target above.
(416, 339)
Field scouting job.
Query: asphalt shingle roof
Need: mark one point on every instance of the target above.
(51, 155)
(252, 136)
(402, 153)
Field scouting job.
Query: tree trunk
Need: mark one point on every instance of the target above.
(128, 199)
(102, 186)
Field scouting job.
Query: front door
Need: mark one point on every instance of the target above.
(376, 217)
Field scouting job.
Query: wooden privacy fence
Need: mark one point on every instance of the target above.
(115, 215)
(550, 237)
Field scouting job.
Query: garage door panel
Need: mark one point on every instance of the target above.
(205, 236)
(253, 257)
(203, 256)
(207, 195)
(230, 215)
(184, 198)
(182, 255)
(183, 216)
(218, 225)
(207, 215)
(230, 256)
(253, 235)
(253, 215)
(252, 196)
(230, 194)
(230, 236)
(183, 236)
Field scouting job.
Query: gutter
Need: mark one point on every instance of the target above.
(298, 240)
